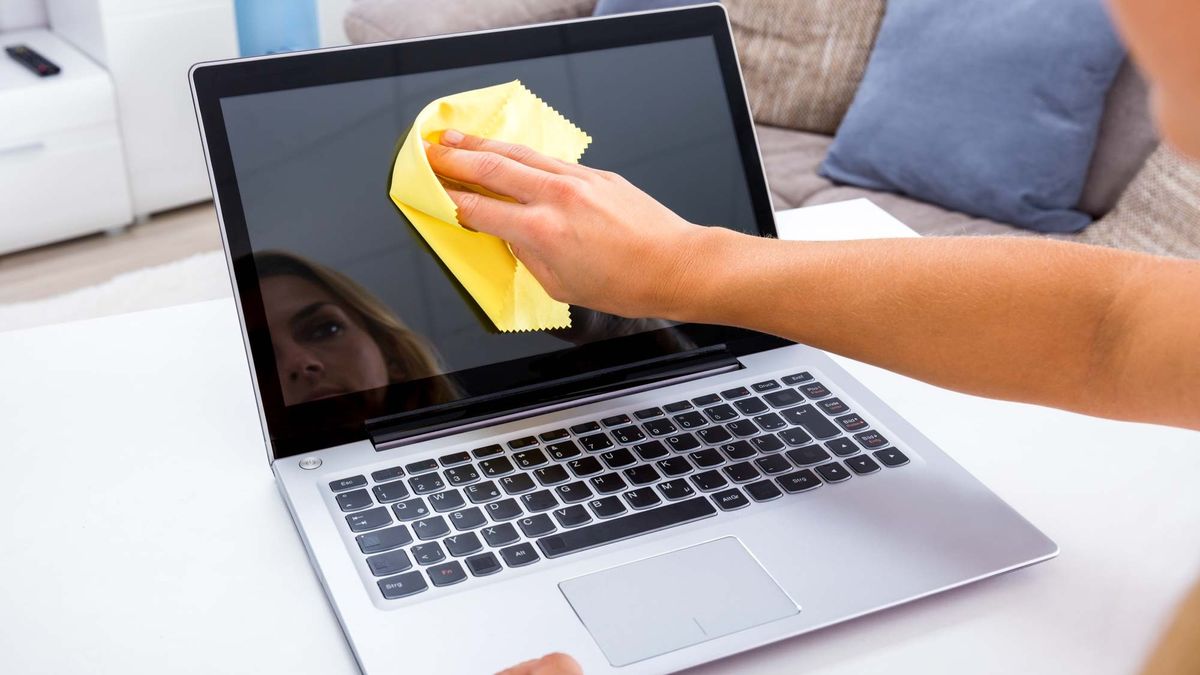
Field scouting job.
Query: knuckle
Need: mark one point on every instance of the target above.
(521, 153)
(488, 164)
(468, 205)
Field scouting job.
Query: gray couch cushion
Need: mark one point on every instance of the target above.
(377, 20)
(1126, 138)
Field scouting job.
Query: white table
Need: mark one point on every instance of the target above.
(142, 532)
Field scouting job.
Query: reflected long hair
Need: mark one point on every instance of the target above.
(407, 355)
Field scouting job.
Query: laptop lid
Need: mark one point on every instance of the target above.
(353, 327)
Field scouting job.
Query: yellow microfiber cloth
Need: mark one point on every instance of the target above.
(504, 288)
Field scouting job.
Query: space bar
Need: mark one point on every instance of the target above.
(608, 531)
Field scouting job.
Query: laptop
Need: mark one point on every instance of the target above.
(641, 494)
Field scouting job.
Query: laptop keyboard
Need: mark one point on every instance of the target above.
(437, 522)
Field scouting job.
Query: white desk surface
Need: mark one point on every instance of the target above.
(142, 531)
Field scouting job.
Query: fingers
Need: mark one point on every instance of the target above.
(518, 153)
(492, 216)
(496, 173)
(550, 664)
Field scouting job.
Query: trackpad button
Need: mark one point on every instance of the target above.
(676, 600)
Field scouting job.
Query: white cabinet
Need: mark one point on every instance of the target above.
(147, 47)
(62, 173)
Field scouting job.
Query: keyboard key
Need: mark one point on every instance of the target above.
(642, 498)
(537, 525)
(390, 492)
(447, 573)
(430, 528)
(707, 458)
(851, 422)
(482, 492)
(455, 458)
(596, 442)
(487, 451)
(648, 413)
(738, 450)
(519, 555)
(862, 465)
(522, 443)
(751, 406)
(585, 466)
(517, 483)
(505, 509)
(608, 483)
(651, 450)
(421, 466)
(794, 437)
(763, 491)
(637, 523)
(814, 390)
(783, 398)
(463, 544)
(551, 475)
(678, 406)
(527, 459)
(607, 507)
(552, 436)
(426, 483)
(411, 509)
(660, 427)
(347, 483)
(736, 392)
(384, 540)
(871, 439)
(770, 422)
(742, 472)
(730, 500)
(675, 466)
(842, 447)
(691, 420)
(542, 500)
(384, 475)
(833, 472)
(641, 474)
(469, 519)
(500, 534)
(769, 385)
(707, 399)
(462, 475)
(707, 481)
(811, 454)
(773, 464)
(721, 413)
(571, 516)
(767, 443)
(353, 501)
(496, 466)
(483, 564)
(628, 435)
(371, 519)
(891, 457)
(402, 586)
(585, 428)
(446, 501)
(563, 450)
(615, 420)
(573, 492)
(833, 406)
(683, 442)
(793, 380)
(676, 489)
(812, 420)
(742, 428)
(392, 562)
(428, 554)
(715, 435)
(799, 481)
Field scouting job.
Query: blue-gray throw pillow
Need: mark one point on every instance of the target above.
(990, 107)
(623, 6)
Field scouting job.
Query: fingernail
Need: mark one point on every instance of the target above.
(425, 143)
(452, 137)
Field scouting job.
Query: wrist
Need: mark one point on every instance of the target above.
(693, 287)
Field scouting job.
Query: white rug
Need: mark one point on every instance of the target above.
(201, 277)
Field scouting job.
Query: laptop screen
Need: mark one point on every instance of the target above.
(354, 303)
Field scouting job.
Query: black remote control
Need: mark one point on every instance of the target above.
(32, 60)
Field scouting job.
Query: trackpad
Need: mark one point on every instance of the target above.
(676, 600)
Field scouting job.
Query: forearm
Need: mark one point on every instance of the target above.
(1020, 319)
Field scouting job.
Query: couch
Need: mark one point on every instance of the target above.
(1143, 196)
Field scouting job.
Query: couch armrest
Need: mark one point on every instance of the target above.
(377, 20)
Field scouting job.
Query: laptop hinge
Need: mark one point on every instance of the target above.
(482, 411)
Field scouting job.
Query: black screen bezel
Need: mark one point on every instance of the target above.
(311, 426)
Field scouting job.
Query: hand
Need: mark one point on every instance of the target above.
(550, 664)
(589, 236)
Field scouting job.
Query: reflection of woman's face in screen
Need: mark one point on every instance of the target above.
(320, 348)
